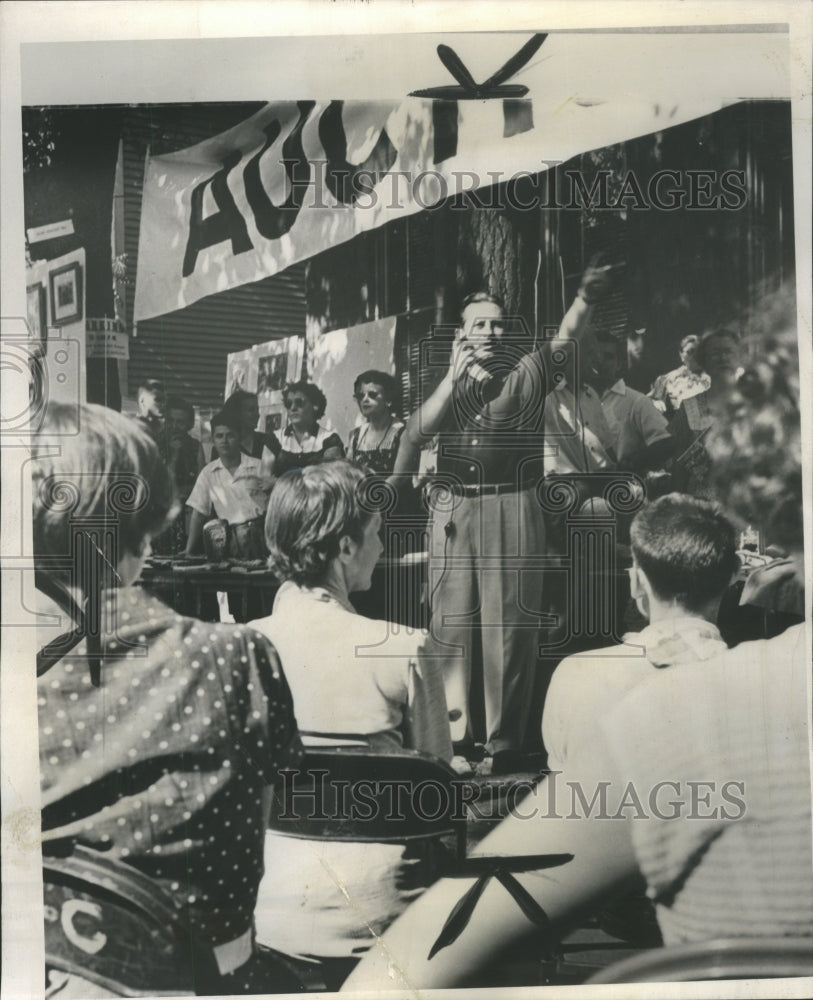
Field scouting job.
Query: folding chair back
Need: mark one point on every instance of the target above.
(737, 958)
(357, 794)
(112, 925)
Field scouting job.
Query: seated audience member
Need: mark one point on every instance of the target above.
(719, 355)
(184, 456)
(233, 487)
(374, 444)
(683, 558)
(351, 678)
(304, 440)
(642, 442)
(668, 391)
(699, 778)
(324, 546)
(243, 406)
(182, 725)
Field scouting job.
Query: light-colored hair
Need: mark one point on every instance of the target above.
(310, 511)
(91, 463)
(473, 297)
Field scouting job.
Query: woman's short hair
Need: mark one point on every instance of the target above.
(312, 392)
(690, 338)
(93, 463)
(686, 547)
(310, 511)
(388, 383)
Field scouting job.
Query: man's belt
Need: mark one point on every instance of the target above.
(486, 490)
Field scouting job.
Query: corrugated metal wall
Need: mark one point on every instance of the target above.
(188, 348)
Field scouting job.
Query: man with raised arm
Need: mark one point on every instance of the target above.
(488, 530)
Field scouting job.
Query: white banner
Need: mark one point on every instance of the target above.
(301, 176)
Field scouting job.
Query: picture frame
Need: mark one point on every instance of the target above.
(37, 317)
(65, 285)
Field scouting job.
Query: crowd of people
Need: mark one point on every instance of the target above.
(164, 758)
(245, 462)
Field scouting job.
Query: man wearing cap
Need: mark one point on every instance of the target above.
(488, 532)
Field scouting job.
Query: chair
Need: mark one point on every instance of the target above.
(357, 794)
(735, 958)
(110, 924)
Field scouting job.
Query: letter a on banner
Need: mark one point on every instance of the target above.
(225, 224)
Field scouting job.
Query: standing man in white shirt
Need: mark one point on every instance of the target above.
(234, 486)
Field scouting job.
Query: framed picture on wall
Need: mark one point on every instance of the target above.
(272, 417)
(272, 373)
(37, 316)
(66, 294)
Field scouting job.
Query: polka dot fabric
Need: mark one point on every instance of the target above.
(165, 763)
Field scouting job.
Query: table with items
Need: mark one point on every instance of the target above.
(190, 585)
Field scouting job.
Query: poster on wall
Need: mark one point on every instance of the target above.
(336, 358)
(57, 330)
(265, 369)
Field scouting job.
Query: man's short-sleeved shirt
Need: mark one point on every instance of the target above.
(633, 419)
(237, 497)
(585, 687)
(494, 431)
(726, 850)
(577, 435)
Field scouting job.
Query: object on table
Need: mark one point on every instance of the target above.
(247, 540)
(216, 539)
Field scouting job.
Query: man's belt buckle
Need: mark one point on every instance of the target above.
(485, 490)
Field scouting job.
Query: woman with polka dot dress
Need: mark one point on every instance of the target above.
(160, 737)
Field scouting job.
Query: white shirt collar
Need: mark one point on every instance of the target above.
(681, 639)
(218, 463)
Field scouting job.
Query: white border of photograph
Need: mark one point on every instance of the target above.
(166, 52)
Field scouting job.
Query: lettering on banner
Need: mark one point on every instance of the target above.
(225, 224)
(273, 220)
(345, 180)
